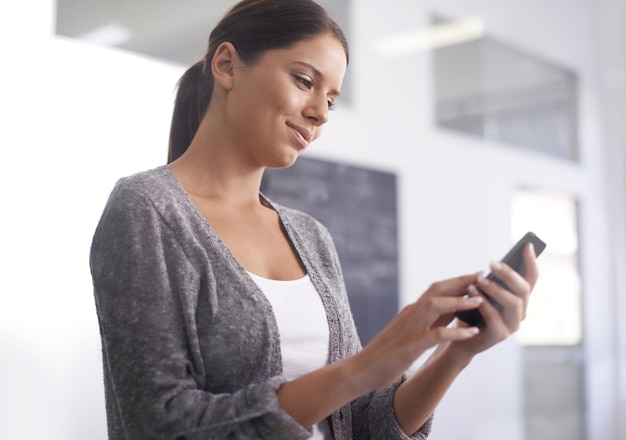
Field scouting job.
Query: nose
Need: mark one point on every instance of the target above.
(317, 110)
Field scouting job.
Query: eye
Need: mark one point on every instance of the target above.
(332, 105)
(305, 81)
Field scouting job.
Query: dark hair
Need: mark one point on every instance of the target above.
(253, 27)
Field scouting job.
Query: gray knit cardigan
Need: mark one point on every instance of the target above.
(190, 344)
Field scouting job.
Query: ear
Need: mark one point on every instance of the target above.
(223, 64)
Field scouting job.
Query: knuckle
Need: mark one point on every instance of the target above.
(439, 333)
(435, 287)
(431, 303)
(439, 287)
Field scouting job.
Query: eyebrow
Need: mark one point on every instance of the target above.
(317, 72)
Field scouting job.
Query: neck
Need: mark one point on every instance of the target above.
(213, 168)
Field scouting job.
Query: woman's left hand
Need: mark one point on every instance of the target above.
(503, 320)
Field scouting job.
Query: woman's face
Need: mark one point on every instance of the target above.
(279, 103)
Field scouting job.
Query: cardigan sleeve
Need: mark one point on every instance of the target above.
(372, 414)
(153, 390)
(374, 418)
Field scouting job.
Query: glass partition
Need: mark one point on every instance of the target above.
(494, 91)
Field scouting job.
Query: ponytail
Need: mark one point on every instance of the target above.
(192, 100)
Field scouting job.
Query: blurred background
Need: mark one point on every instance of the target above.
(494, 117)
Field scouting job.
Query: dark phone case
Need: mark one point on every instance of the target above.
(514, 258)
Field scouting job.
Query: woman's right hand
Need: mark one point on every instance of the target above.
(418, 327)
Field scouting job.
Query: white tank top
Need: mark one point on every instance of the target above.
(303, 329)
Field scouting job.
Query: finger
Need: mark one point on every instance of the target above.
(531, 270)
(445, 305)
(510, 307)
(518, 285)
(529, 273)
(515, 282)
(438, 311)
(490, 313)
(453, 286)
(441, 335)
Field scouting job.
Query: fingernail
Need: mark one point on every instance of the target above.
(482, 280)
(476, 299)
(532, 249)
(495, 265)
(473, 291)
(473, 330)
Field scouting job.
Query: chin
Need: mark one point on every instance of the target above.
(285, 161)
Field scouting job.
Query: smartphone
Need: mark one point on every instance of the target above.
(514, 258)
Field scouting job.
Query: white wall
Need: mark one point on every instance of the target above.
(610, 37)
(75, 118)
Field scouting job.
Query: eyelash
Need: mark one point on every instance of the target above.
(309, 85)
(304, 81)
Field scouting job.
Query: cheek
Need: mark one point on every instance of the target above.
(283, 96)
(269, 100)
(283, 101)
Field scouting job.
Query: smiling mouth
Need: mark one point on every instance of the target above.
(302, 135)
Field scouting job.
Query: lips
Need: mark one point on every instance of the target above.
(301, 133)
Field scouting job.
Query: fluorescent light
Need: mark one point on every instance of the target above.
(436, 36)
(111, 34)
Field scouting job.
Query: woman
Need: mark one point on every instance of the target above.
(224, 315)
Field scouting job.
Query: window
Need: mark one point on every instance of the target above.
(555, 309)
(491, 90)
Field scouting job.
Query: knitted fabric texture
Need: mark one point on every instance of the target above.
(189, 342)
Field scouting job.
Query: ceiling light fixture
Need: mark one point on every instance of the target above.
(111, 34)
(445, 34)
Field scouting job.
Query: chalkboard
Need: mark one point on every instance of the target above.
(358, 206)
